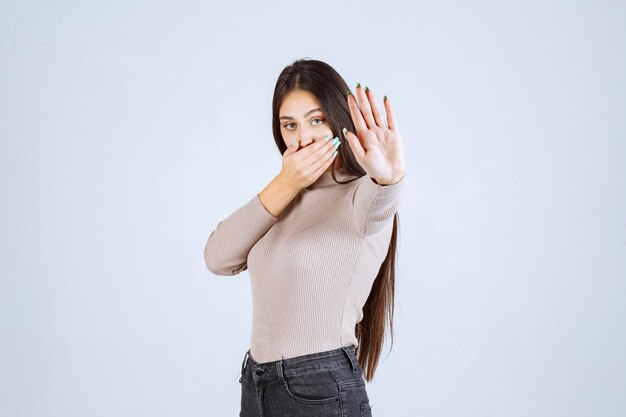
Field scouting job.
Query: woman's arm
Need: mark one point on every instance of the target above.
(227, 248)
(277, 195)
(374, 204)
(378, 148)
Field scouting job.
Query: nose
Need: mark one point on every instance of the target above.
(307, 139)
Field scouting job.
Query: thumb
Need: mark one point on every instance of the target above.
(355, 144)
(291, 149)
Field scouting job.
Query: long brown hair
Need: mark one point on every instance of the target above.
(330, 89)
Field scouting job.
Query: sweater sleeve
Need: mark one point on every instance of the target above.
(374, 204)
(227, 248)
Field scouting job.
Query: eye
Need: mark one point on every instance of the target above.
(321, 119)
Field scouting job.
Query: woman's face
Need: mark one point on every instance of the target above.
(301, 119)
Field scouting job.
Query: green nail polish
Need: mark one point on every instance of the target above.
(344, 132)
(384, 98)
(358, 85)
(334, 154)
(366, 88)
(349, 92)
(336, 145)
(327, 138)
(335, 140)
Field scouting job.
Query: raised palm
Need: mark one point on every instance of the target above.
(377, 145)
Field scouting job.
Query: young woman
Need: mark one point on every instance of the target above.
(319, 242)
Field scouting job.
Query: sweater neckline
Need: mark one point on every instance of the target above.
(326, 179)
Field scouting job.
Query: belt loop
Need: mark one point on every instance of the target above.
(351, 357)
(243, 364)
(279, 372)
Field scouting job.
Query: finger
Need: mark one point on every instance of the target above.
(317, 144)
(290, 150)
(321, 151)
(357, 117)
(391, 118)
(326, 160)
(355, 144)
(364, 105)
(378, 116)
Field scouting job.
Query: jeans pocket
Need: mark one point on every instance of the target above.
(318, 387)
(348, 378)
(366, 410)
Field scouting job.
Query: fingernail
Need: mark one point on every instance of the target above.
(336, 140)
(344, 132)
(336, 145)
(358, 85)
(327, 138)
(366, 88)
(334, 154)
(295, 142)
(384, 98)
(349, 92)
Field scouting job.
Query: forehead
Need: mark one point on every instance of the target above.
(297, 102)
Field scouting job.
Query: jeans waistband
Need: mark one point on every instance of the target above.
(336, 358)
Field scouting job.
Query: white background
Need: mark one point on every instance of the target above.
(129, 129)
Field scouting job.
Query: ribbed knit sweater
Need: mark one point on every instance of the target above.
(312, 267)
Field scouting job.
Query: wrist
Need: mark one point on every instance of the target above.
(285, 184)
(394, 180)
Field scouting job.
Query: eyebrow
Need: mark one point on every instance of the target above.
(305, 114)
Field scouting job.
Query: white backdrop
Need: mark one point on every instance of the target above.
(130, 128)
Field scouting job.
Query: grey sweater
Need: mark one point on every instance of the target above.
(312, 267)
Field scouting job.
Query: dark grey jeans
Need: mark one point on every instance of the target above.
(323, 384)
